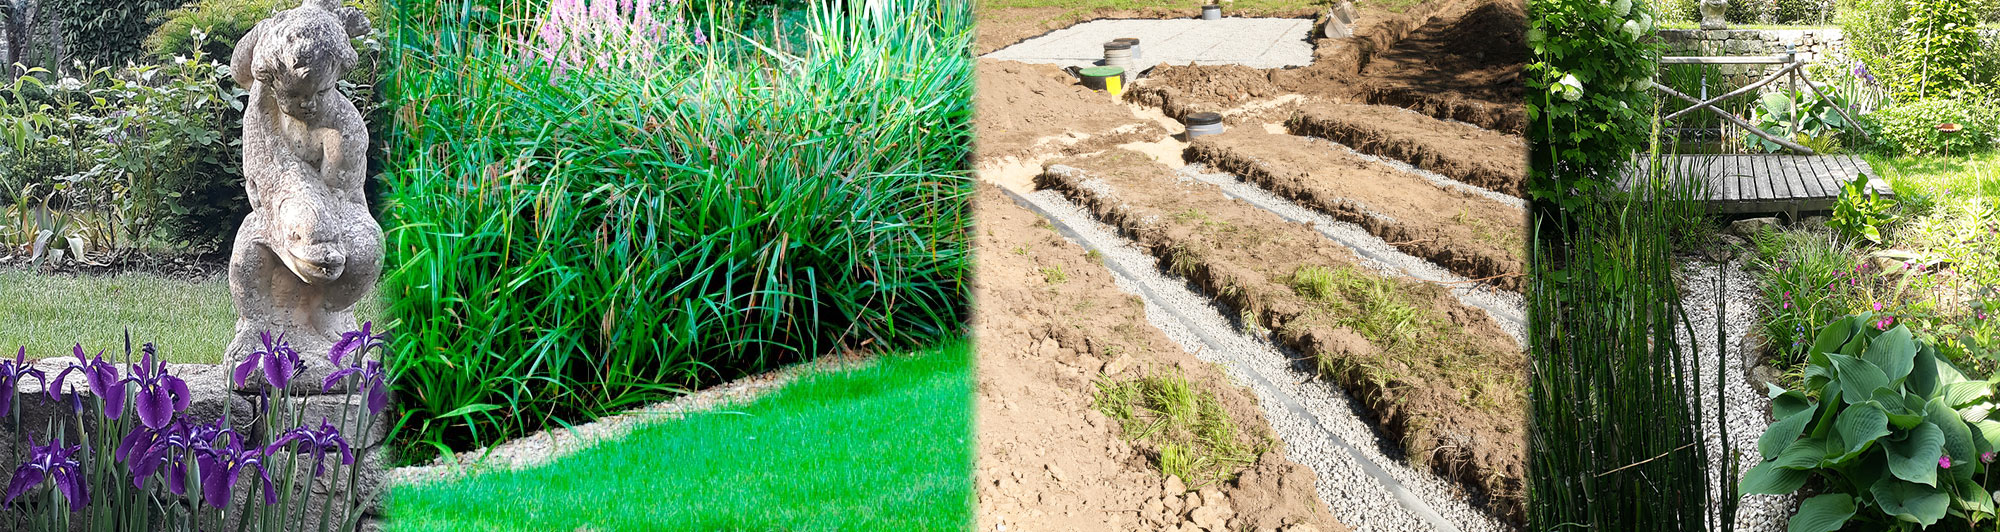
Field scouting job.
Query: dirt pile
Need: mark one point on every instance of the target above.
(1182, 89)
(1050, 325)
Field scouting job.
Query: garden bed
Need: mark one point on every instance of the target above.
(1468, 234)
(1442, 377)
(1054, 331)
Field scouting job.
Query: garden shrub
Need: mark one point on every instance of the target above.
(1894, 435)
(1802, 115)
(1803, 280)
(1861, 212)
(224, 21)
(633, 207)
(1589, 93)
(1939, 50)
(105, 33)
(1912, 128)
(1749, 11)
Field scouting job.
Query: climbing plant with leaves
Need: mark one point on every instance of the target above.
(1588, 93)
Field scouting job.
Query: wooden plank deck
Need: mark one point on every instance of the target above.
(1762, 184)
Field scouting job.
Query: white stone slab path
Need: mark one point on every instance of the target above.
(1251, 42)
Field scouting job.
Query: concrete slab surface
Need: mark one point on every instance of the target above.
(1251, 42)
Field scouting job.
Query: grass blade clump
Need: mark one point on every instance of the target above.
(1615, 438)
(570, 235)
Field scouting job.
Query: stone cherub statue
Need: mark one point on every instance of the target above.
(309, 250)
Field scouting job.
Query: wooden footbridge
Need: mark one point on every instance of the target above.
(1759, 184)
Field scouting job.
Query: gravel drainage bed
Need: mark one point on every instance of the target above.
(1361, 476)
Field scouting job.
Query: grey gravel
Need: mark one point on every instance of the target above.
(1326, 431)
(1747, 405)
(1503, 306)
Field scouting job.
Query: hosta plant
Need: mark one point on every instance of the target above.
(133, 456)
(1895, 437)
(1861, 212)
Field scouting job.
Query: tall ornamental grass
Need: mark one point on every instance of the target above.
(599, 205)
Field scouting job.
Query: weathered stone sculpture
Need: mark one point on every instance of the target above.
(1712, 14)
(309, 250)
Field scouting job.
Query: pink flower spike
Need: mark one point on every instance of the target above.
(1986, 457)
(1944, 461)
(1878, 306)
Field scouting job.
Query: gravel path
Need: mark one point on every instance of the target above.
(1360, 477)
(1746, 403)
(546, 446)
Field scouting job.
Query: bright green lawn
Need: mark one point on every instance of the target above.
(188, 322)
(1925, 180)
(885, 447)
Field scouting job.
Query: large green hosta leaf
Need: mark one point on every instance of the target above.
(1914, 457)
(1911, 502)
(1957, 437)
(1767, 478)
(1823, 513)
(1782, 434)
(1858, 378)
(1894, 351)
(1859, 426)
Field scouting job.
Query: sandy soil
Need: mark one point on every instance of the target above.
(1480, 157)
(1050, 324)
(1458, 409)
(1003, 27)
(1467, 234)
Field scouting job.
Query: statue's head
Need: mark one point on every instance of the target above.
(306, 240)
(300, 54)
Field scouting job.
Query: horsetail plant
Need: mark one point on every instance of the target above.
(161, 468)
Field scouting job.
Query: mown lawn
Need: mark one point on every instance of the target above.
(190, 322)
(883, 447)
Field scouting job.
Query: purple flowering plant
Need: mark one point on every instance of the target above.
(606, 36)
(166, 467)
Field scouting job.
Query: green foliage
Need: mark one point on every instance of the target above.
(1897, 436)
(151, 151)
(1748, 12)
(224, 21)
(105, 33)
(1860, 212)
(565, 243)
(1799, 114)
(1589, 93)
(1801, 11)
(1803, 284)
(1939, 50)
(1912, 128)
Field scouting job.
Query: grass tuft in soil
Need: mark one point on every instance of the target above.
(1181, 426)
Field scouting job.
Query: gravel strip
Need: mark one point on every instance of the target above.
(1317, 421)
(1504, 307)
(548, 445)
(1746, 403)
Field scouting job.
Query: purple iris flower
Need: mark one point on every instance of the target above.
(371, 378)
(318, 443)
(103, 379)
(279, 360)
(353, 341)
(11, 372)
(146, 451)
(1861, 71)
(222, 467)
(56, 463)
(160, 394)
